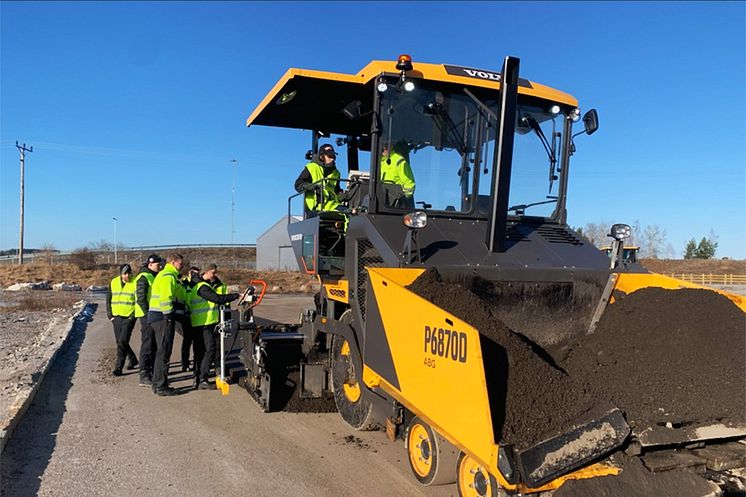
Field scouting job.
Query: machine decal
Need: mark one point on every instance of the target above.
(481, 74)
(449, 344)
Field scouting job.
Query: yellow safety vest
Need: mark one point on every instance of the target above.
(163, 290)
(122, 298)
(329, 197)
(203, 312)
(140, 312)
(396, 169)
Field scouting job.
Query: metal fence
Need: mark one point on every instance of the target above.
(711, 279)
(136, 255)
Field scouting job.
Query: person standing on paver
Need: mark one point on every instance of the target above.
(162, 317)
(143, 285)
(204, 306)
(120, 309)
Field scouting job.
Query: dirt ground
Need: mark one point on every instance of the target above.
(31, 326)
(695, 266)
(277, 281)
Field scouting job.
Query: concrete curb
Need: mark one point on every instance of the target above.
(7, 432)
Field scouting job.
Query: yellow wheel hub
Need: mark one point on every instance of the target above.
(473, 480)
(351, 387)
(420, 450)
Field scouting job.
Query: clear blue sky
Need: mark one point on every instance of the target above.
(135, 109)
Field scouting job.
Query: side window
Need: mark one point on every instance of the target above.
(309, 253)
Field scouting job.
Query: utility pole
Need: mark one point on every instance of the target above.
(115, 240)
(22, 149)
(233, 199)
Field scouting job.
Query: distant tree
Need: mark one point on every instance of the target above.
(690, 250)
(101, 246)
(706, 249)
(652, 241)
(47, 251)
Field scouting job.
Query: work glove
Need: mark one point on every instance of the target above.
(234, 296)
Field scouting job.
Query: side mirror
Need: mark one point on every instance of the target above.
(352, 110)
(590, 120)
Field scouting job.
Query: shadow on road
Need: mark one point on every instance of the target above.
(28, 453)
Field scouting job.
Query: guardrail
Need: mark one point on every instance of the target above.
(711, 279)
(155, 248)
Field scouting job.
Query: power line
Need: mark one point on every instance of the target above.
(22, 149)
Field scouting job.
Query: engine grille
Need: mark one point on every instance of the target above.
(367, 256)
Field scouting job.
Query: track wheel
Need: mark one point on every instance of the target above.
(349, 392)
(474, 481)
(431, 458)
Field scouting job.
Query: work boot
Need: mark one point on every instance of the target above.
(117, 372)
(207, 386)
(166, 392)
(133, 364)
(145, 382)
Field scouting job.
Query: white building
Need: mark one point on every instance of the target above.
(273, 249)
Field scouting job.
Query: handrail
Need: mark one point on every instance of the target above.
(321, 182)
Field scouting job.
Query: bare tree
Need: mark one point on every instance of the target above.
(652, 241)
(47, 252)
(597, 233)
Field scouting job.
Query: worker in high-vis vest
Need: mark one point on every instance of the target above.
(120, 309)
(205, 300)
(164, 295)
(395, 169)
(184, 326)
(143, 285)
(319, 181)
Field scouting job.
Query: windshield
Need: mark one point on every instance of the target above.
(436, 149)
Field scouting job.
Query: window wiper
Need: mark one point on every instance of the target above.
(534, 125)
(434, 106)
(481, 105)
(521, 208)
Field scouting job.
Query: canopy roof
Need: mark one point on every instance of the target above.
(308, 99)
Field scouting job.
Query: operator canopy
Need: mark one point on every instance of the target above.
(315, 100)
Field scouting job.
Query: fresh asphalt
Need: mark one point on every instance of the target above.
(89, 434)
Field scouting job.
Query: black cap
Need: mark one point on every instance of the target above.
(124, 269)
(327, 150)
(153, 258)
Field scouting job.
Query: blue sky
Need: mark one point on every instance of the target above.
(135, 109)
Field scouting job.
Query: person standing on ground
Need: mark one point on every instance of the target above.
(120, 309)
(204, 305)
(143, 285)
(162, 317)
(184, 327)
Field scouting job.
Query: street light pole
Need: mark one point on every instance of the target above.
(115, 240)
(233, 199)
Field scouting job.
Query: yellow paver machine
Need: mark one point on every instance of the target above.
(463, 369)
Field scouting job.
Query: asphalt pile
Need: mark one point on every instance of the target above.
(658, 355)
(667, 356)
(530, 397)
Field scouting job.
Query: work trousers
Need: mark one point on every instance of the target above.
(122, 332)
(198, 342)
(147, 349)
(211, 350)
(164, 341)
(185, 327)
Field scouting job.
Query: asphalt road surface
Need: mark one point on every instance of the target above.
(90, 434)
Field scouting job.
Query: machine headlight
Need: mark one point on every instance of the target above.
(620, 231)
(575, 115)
(416, 220)
(382, 87)
(554, 109)
(408, 86)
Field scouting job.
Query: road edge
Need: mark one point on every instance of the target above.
(7, 432)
